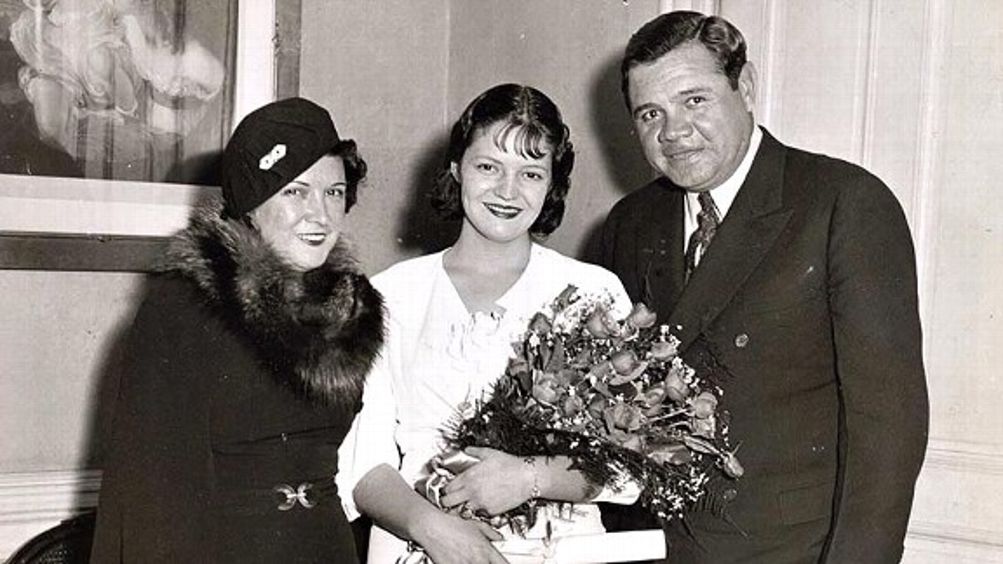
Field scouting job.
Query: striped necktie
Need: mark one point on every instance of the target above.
(707, 221)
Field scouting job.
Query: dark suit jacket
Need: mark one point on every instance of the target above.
(807, 295)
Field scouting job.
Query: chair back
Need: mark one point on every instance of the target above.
(67, 543)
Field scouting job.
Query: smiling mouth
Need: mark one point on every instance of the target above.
(503, 211)
(680, 154)
(312, 239)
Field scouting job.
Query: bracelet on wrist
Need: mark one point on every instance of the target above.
(534, 492)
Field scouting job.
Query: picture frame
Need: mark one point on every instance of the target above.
(79, 224)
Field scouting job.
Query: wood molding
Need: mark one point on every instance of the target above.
(709, 7)
(936, 530)
(927, 160)
(867, 82)
(964, 457)
(31, 502)
(958, 541)
(288, 45)
(28, 496)
(772, 73)
(83, 252)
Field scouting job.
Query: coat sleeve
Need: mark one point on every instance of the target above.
(878, 349)
(154, 496)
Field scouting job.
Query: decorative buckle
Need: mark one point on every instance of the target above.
(294, 496)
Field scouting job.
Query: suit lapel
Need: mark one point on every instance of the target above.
(750, 228)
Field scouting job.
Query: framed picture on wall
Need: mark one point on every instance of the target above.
(113, 114)
(133, 91)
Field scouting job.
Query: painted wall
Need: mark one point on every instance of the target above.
(383, 74)
(570, 50)
(53, 344)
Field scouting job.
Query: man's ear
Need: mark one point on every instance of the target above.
(747, 85)
(454, 171)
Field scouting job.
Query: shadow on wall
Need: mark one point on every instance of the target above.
(422, 230)
(105, 392)
(623, 161)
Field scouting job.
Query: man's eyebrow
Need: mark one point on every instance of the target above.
(693, 90)
(642, 107)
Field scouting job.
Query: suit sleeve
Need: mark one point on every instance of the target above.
(878, 349)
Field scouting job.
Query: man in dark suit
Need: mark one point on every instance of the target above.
(798, 270)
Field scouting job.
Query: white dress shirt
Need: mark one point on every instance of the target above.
(724, 194)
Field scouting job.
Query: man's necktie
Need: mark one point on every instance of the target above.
(707, 221)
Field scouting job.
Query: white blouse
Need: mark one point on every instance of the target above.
(438, 355)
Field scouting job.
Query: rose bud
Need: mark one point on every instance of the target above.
(568, 377)
(545, 387)
(602, 325)
(624, 361)
(732, 466)
(703, 427)
(632, 442)
(623, 416)
(673, 453)
(573, 405)
(704, 405)
(654, 396)
(540, 324)
(641, 317)
(675, 388)
(597, 406)
(664, 350)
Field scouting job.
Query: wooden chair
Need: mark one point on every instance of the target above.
(67, 543)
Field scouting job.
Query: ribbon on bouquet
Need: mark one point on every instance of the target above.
(441, 469)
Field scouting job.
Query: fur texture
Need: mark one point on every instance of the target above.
(319, 331)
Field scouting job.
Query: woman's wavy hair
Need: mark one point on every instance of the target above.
(536, 123)
(355, 169)
(671, 30)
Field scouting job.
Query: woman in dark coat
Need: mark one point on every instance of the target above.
(245, 363)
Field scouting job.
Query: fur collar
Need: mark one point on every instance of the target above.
(319, 331)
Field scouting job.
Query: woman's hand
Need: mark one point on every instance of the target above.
(451, 540)
(497, 483)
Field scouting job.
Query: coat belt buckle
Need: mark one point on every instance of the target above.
(294, 496)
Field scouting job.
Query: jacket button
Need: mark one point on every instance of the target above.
(741, 340)
(729, 494)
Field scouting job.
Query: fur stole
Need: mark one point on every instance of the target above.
(318, 331)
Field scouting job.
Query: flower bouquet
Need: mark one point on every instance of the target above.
(616, 398)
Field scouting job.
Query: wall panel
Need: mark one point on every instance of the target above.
(383, 74)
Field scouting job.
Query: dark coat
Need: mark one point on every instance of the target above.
(807, 294)
(240, 376)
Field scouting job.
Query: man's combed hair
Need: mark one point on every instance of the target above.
(669, 31)
(534, 125)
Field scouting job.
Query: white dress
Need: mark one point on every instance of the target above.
(438, 355)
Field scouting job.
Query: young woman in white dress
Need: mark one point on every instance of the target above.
(452, 318)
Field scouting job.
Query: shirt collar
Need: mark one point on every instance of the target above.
(725, 194)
